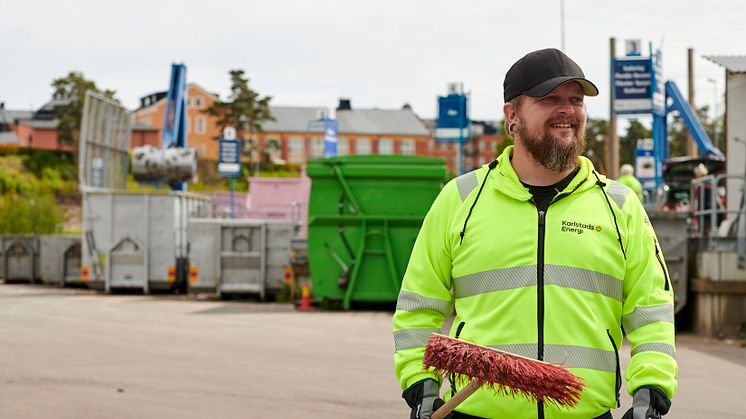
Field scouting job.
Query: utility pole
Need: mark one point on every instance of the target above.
(562, 23)
(612, 141)
(691, 148)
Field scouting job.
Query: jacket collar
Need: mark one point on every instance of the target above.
(506, 181)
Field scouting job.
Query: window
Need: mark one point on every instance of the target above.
(196, 102)
(343, 147)
(296, 149)
(385, 146)
(407, 147)
(200, 125)
(482, 145)
(317, 147)
(431, 144)
(362, 146)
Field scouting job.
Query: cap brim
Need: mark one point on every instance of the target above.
(543, 89)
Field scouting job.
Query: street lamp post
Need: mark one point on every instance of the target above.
(562, 22)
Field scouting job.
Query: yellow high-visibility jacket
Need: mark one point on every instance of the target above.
(562, 285)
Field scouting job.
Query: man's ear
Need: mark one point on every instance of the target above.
(509, 111)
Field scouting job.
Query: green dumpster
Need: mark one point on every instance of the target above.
(363, 218)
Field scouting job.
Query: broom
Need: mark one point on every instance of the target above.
(502, 372)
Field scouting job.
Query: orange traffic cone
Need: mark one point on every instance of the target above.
(305, 300)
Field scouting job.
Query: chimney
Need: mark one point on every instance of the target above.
(344, 104)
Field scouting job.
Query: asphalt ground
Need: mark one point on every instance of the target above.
(67, 353)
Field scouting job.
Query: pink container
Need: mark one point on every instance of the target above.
(280, 199)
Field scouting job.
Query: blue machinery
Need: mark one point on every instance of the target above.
(678, 103)
(638, 88)
(174, 163)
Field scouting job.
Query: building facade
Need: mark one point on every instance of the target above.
(202, 130)
(295, 136)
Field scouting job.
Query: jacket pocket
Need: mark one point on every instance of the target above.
(618, 376)
(666, 286)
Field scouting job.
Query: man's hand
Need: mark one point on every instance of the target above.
(422, 397)
(648, 403)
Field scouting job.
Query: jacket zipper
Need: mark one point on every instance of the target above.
(663, 266)
(540, 282)
(540, 295)
(618, 376)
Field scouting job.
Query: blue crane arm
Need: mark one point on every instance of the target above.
(690, 119)
(174, 121)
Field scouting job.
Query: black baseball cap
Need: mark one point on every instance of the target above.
(540, 72)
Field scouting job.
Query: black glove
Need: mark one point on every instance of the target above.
(648, 403)
(423, 398)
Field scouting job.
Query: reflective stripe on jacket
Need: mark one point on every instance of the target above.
(557, 285)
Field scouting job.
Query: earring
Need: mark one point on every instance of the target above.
(511, 128)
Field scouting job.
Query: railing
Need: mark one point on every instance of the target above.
(711, 221)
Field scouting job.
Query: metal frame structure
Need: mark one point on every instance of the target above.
(105, 134)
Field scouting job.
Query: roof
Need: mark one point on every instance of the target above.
(20, 115)
(732, 63)
(159, 96)
(41, 123)
(355, 121)
(294, 119)
(380, 121)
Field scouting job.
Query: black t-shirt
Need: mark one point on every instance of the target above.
(543, 195)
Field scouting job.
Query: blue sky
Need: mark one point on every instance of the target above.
(381, 53)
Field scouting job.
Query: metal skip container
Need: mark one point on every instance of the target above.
(20, 254)
(363, 218)
(230, 256)
(138, 240)
(60, 259)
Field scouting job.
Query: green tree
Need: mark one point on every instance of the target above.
(628, 143)
(595, 142)
(507, 138)
(245, 109)
(72, 88)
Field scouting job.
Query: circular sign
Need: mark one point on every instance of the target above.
(229, 133)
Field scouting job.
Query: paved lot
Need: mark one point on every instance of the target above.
(73, 354)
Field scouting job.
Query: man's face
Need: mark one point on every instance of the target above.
(552, 128)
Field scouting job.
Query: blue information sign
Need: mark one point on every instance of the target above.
(452, 125)
(229, 158)
(645, 164)
(330, 138)
(633, 85)
(659, 89)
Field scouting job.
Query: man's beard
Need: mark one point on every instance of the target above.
(555, 154)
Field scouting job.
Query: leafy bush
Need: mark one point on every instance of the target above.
(21, 213)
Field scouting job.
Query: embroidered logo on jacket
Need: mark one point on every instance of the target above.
(578, 227)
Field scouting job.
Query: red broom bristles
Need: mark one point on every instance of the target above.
(503, 372)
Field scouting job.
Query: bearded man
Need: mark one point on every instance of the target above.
(538, 254)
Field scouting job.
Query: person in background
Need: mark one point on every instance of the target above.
(627, 177)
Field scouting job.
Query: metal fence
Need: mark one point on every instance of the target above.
(713, 224)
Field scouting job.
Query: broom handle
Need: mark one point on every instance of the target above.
(456, 400)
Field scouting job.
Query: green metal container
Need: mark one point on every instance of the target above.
(363, 218)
